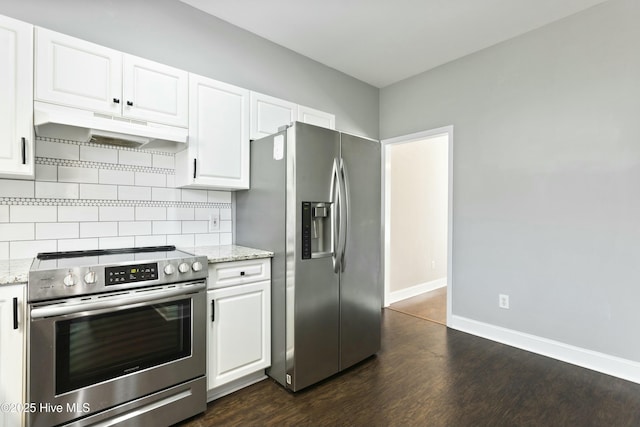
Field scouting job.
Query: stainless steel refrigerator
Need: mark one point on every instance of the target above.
(315, 201)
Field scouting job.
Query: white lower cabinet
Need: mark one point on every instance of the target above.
(239, 331)
(12, 354)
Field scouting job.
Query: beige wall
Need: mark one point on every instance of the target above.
(418, 215)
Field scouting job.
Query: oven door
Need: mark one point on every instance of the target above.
(89, 355)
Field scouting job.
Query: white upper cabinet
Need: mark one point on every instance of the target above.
(269, 113)
(218, 153)
(16, 102)
(155, 92)
(316, 117)
(77, 73)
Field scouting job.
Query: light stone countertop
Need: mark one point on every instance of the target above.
(224, 253)
(14, 271)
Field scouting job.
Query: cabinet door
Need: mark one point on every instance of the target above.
(12, 335)
(77, 73)
(269, 113)
(239, 332)
(316, 117)
(16, 102)
(218, 134)
(154, 92)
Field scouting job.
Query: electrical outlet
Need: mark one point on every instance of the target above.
(503, 301)
(214, 222)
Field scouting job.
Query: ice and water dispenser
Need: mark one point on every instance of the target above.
(316, 230)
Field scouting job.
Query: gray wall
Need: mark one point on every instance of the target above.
(176, 34)
(546, 176)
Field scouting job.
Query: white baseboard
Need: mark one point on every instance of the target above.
(600, 362)
(415, 290)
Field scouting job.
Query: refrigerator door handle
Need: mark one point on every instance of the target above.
(344, 215)
(335, 207)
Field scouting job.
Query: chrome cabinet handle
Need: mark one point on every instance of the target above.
(24, 150)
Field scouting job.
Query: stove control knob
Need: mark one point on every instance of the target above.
(169, 269)
(197, 266)
(184, 267)
(69, 280)
(90, 278)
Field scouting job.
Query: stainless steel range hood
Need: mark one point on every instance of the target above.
(56, 121)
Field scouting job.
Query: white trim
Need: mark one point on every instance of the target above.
(386, 144)
(415, 290)
(600, 362)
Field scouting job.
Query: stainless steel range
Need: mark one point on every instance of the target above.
(116, 337)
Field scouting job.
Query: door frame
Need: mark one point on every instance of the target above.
(386, 165)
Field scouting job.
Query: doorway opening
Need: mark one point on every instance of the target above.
(418, 172)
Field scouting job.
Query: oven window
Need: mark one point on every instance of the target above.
(97, 348)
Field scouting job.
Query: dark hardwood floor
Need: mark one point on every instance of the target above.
(429, 306)
(429, 375)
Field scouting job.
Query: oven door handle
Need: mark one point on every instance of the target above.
(146, 297)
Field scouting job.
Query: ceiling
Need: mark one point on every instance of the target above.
(383, 41)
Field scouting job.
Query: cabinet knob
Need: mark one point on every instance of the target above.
(130, 103)
(116, 101)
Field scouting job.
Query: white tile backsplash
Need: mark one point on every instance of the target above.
(57, 190)
(17, 231)
(219, 196)
(87, 197)
(4, 250)
(167, 227)
(57, 230)
(166, 194)
(180, 214)
(149, 179)
(57, 150)
(189, 227)
(75, 174)
(162, 161)
(181, 240)
(199, 196)
(225, 214)
(20, 213)
(78, 213)
(135, 158)
(150, 240)
(151, 213)
(99, 191)
(98, 229)
(110, 176)
(116, 242)
(31, 248)
(134, 228)
(77, 244)
(126, 192)
(16, 188)
(98, 154)
(117, 213)
(209, 239)
(46, 172)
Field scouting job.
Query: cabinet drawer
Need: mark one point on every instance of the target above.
(239, 272)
